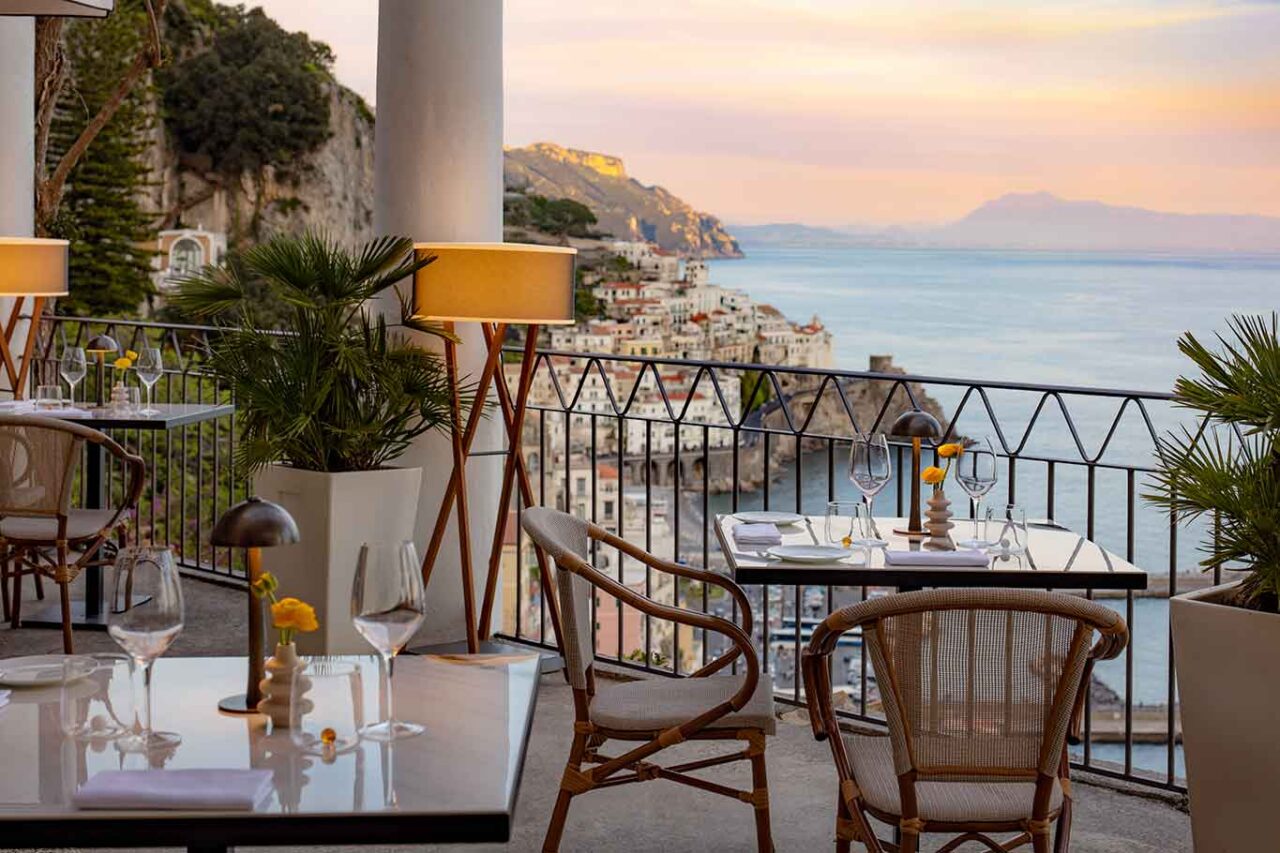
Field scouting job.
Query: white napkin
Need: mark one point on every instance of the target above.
(4, 698)
(17, 407)
(757, 534)
(186, 790)
(936, 558)
(70, 412)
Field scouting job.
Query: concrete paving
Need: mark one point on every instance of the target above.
(664, 816)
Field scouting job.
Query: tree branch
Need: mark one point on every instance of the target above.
(50, 189)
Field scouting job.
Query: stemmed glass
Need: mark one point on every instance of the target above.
(870, 471)
(73, 367)
(145, 617)
(977, 471)
(387, 606)
(150, 367)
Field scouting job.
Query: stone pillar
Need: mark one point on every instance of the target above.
(17, 140)
(438, 177)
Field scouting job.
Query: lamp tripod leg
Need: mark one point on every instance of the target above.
(515, 427)
(33, 332)
(460, 471)
(6, 354)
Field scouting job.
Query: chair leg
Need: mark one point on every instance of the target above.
(64, 590)
(4, 584)
(39, 583)
(15, 605)
(760, 793)
(1062, 836)
(555, 829)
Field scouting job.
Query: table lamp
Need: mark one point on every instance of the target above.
(253, 524)
(496, 285)
(35, 268)
(101, 346)
(917, 425)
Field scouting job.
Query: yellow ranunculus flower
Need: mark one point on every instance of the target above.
(131, 355)
(947, 451)
(265, 584)
(933, 475)
(292, 614)
(123, 363)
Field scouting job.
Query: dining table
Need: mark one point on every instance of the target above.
(1055, 558)
(90, 609)
(457, 782)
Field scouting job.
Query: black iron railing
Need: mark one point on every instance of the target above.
(654, 448)
(668, 445)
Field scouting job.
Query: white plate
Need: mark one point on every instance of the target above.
(769, 517)
(809, 553)
(44, 670)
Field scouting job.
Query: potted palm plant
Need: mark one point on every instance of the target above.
(326, 402)
(1226, 473)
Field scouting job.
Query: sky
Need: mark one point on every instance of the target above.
(835, 112)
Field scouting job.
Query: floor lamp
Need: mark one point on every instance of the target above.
(497, 285)
(30, 268)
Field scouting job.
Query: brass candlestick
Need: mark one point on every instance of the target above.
(916, 425)
(253, 524)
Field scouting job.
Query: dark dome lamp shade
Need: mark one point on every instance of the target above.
(916, 425)
(253, 524)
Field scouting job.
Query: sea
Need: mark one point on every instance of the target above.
(1077, 320)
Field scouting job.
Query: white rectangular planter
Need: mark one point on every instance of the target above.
(1229, 684)
(336, 513)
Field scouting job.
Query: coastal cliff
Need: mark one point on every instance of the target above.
(624, 207)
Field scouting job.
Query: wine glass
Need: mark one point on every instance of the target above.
(387, 606)
(977, 471)
(870, 471)
(145, 617)
(73, 366)
(149, 367)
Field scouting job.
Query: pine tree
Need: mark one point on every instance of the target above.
(102, 211)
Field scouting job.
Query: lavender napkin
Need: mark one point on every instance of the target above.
(953, 559)
(185, 790)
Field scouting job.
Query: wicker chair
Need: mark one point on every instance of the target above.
(979, 688)
(661, 712)
(38, 527)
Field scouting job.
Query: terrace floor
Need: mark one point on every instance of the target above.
(661, 815)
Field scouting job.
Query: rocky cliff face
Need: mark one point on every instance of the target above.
(626, 208)
(331, 190)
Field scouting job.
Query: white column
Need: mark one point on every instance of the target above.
(17, 140)
(438, 176)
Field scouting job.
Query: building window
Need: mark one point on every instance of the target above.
(185, 257)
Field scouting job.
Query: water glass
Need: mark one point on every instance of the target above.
(129, 402)
(149, 367)
(48, 397)
(99, 707)
(145, 618)
(1012, 527)
(842, 523)
(387, 607)
(977, 471)
(73, 366)
(326, 707)
(870, 470)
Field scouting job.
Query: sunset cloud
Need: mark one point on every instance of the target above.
(833, 112)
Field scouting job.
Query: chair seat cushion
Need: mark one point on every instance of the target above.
(81, 524)
(960, 801)
(660, 703)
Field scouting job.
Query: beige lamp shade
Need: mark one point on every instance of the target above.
(31, 266)
(495, 282)
(58, 8)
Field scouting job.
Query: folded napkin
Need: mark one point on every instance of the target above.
(17, 407)
(186, 790)
(70, 412)
(757, 534)
(936, 558)
(4, 698)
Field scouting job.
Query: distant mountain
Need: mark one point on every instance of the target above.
(1045, 221)
(624, 207)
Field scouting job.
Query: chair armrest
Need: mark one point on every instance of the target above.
(692, 618)
(700, 575)
(1109, 646)
(137, 479)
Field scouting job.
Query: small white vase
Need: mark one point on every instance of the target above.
(277, 686)
(938, 523)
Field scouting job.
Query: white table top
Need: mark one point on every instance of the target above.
(1056, 558)
(462, 774)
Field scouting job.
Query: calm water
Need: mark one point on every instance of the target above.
(1099, 320)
